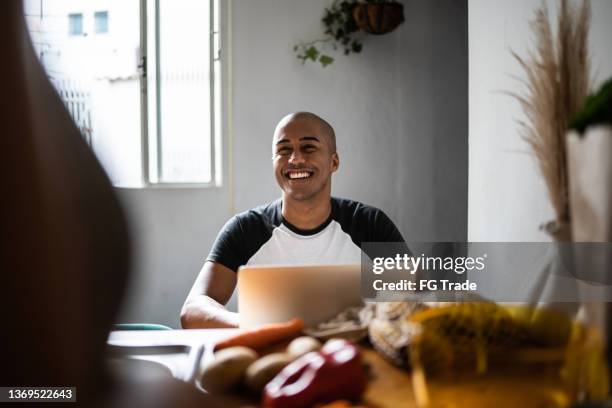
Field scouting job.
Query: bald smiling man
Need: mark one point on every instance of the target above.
(306, 226)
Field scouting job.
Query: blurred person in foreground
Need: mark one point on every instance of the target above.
(66, 248)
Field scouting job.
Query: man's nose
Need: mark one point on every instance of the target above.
(296, 157)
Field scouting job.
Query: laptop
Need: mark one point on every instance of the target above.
(314, 293)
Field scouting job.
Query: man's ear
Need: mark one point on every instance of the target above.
(335, 162)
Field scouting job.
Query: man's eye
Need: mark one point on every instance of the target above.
(283, 152)
(309, 148)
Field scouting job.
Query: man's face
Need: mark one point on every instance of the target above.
(303, 159)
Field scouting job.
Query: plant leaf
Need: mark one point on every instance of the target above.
(312, 53)
(325, 60)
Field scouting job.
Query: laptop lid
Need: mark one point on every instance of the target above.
(314, 293)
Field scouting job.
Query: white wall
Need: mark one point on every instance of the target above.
(507, 197)
(400, 113)
(399, 109)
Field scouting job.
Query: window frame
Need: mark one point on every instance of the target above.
(150, 92)
(70, 21)
(96, 15)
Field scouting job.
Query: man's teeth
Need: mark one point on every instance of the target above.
(299, 175)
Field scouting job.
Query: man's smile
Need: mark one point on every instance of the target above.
(300, 174)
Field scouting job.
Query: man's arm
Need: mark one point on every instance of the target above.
(204, 305)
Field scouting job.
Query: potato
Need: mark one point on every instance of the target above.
(265, 369)
(332, 340)
(227, 369)
(303, 345)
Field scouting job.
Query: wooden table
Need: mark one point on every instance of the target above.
(392, 387)
(389, 386)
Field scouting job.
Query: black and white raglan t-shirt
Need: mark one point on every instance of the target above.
(262, 236)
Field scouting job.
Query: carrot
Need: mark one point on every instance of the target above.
(336, 404)
(264, 335)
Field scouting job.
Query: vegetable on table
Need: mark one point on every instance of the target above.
(227, 369)
(323, 376)
(264, 335)
(302, 345)
(259, 373)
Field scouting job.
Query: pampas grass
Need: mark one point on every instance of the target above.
(557, 83)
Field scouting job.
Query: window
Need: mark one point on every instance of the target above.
(75, 24)
(184, 87)
(101, 22)
(146, 96)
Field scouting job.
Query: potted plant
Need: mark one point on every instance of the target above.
(345, 22)
(589, 151)
(556, 86)
(378, 17)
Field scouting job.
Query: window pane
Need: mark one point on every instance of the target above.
(101, 22)
(75, 24)
(184, 91)
(96, 76)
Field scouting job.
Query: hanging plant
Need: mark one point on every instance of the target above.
(345, 23)
(378, 17)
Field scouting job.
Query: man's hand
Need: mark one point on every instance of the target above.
(204, 308)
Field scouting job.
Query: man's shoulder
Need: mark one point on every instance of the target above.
(243, 235)
(268, 214)
(365, 223)
(355, 210)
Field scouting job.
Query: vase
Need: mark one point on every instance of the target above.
(590, 183)
(590, 196)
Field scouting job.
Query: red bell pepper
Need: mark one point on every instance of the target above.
(333, 373)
